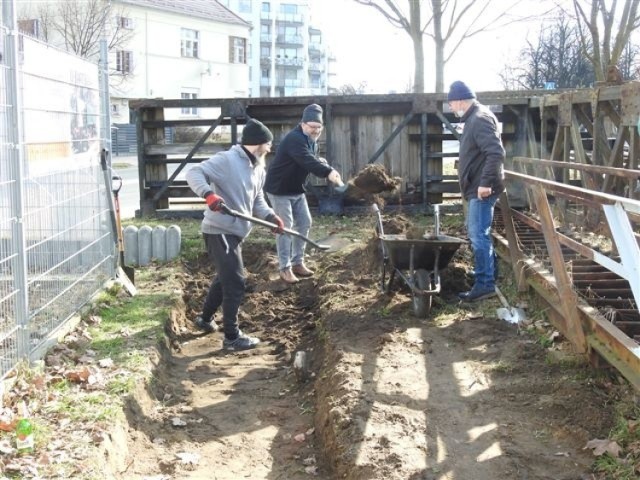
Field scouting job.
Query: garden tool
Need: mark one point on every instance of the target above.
(273, 226)
(123, 272)
(508, 313)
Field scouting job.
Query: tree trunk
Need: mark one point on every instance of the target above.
(439, 44)
(418, 49)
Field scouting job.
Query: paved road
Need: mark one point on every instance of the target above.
(127, 168)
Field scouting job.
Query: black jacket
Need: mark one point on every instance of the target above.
(295, 158)
(481, 152)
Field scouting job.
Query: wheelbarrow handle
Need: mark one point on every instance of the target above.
(264, 223)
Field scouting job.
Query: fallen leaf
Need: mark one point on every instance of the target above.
(600, 447)
(79, 376)
(299, 438)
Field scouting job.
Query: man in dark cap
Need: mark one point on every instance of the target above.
(295, 159)
(480, 173)
(234, 178)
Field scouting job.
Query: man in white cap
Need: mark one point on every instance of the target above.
(295, 159)
(480, 172)
(234, 178)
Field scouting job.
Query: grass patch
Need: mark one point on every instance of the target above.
(626, 433)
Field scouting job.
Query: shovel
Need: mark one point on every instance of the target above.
(508, 313)
(341, 187)
(125, 274)
(264, 223)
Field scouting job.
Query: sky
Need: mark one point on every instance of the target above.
(369, 49)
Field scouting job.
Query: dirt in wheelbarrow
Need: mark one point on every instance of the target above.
(458, 395)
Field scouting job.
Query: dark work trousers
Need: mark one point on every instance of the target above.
(227, 288)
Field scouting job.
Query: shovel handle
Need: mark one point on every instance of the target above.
(264, 223)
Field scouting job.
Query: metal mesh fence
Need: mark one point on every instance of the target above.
(57, 245)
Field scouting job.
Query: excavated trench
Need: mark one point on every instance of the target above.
(387, 396)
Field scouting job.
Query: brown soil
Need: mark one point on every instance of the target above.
(461, 395)
(371, 185)
(375, 179)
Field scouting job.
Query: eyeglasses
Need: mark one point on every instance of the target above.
(314, 127)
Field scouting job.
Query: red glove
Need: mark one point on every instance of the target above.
(214, 201)
(278, 221)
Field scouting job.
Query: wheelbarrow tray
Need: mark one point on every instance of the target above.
(398, 249)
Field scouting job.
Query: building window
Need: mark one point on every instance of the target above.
(265, 52)
(266, 7)
(244, 6)
(189, 110)
(189, 43)
(124, 62)
(288, 8)
(237, 50)
(125, 22)
(265, 73)
(314, 80)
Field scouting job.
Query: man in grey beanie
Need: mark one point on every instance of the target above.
(295, 159)
(480, 172)
(234, 178)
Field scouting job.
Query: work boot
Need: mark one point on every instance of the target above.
(243, 342)
(206, 327)
(476, 294)
(301, 270)
(288, 276)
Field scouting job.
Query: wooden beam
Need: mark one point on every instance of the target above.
(575, 331)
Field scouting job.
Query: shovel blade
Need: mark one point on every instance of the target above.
(511, 315)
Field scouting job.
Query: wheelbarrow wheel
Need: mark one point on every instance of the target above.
(422, 303)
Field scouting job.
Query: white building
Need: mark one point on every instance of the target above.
(181, 49)
(173, 49)
(287, 56)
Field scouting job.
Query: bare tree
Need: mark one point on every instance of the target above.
(556, 56)
(448, 23)
(79, 25)
(605, 28)
(410, 23)
(350, 89)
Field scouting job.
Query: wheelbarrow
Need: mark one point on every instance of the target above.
(416, 261)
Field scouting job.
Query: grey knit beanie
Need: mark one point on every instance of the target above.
(312, 113)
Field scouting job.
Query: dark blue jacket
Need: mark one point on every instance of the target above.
(481, 152)
(296, 157)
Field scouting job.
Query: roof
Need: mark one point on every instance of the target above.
(207, 9)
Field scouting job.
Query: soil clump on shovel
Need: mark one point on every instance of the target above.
(374, 179)
(370, 183)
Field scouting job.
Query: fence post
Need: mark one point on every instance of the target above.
(16, 156)
(103, 65)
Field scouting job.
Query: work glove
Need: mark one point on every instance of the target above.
(334, 177)
(273, 218)
(214, 201)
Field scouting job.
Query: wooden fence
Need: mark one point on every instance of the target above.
(412, 135)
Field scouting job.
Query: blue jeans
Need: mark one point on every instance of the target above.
(294, 212)
(479, 220)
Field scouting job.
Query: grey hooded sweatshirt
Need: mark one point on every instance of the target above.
(233, 176)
